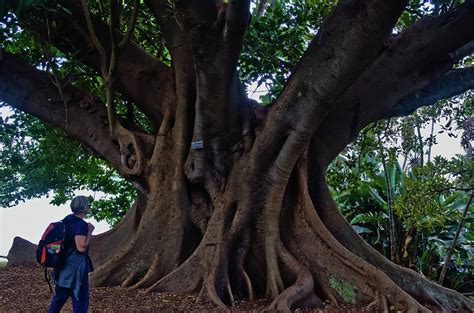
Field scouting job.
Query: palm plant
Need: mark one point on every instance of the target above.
(426, 210)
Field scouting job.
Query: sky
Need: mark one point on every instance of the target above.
(29, 220)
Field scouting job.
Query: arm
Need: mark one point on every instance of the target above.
(82, 242)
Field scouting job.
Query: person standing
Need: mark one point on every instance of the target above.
(72, 279)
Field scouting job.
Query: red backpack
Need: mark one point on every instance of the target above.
(51, 251)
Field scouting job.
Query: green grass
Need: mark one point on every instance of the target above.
(3, 262)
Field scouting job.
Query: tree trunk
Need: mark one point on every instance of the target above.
(290, 255)
(233, 203)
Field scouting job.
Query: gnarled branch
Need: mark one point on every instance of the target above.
(31, 91)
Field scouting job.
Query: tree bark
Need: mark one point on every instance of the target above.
(249, 213)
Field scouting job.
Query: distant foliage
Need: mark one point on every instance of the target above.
(38, 159)
(428, 193)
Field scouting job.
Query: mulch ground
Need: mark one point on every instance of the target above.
(24, 289)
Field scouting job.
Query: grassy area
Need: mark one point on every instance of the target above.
(3, 262)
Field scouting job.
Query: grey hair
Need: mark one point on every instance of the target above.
(79, 204)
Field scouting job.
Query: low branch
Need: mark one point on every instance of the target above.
(31, 91)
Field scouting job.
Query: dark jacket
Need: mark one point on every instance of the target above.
(77, 264)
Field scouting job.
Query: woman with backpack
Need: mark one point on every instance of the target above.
(72, 278)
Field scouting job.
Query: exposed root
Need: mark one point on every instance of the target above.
(239, 275)
(302, 257)
(379, 304)
(274, 281)
(151, 275)
(271, 213)
(301, 291)
(187, 278)
(166, 258)
(130, 280)
(248, 283)
(137, 257)
(231, 295)
(112, 272)
(345, 268)
(211, 292)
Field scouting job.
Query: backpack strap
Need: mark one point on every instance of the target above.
(47, 279)
(67, 228)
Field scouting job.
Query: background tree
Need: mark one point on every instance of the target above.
(220, 180)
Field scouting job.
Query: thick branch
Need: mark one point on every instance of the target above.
(31, 91)
(451, 84)
(183, 75)
(206, 38)
(349, 40)
(413, 59)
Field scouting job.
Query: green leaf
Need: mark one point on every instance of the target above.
(375, 195)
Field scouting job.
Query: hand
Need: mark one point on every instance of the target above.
(91, 228)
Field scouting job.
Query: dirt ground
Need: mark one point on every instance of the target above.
(24, 289)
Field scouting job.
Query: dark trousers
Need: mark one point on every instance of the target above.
(61, 295)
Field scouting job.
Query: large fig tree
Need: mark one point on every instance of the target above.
(232, 197)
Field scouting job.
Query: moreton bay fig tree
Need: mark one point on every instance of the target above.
(232, 197)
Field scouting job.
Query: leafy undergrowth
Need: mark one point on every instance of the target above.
(23, 289)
